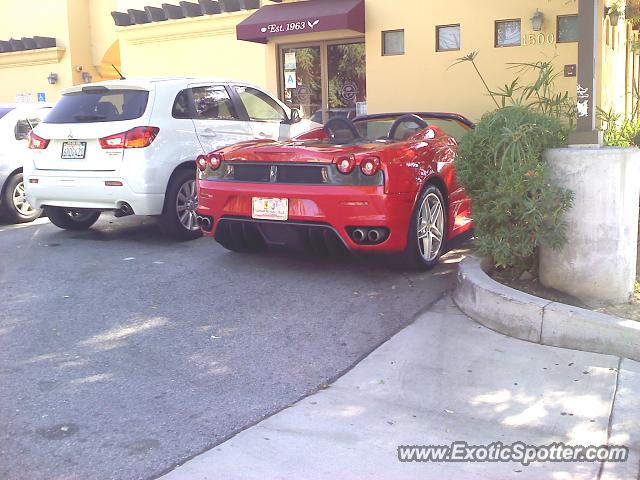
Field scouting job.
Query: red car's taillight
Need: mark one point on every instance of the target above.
(370, 166)
(215, 160)
(36, 142)
(201, 162)
(139, 137)
(346, 164)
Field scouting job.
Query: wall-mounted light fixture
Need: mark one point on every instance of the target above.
(52, 78)
(537, 20)
(86, 77)
(614, 17)
(614, 12)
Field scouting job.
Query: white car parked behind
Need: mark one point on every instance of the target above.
(16, 121)
(130, 146)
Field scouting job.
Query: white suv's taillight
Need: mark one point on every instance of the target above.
(139, 137)
(36, 142)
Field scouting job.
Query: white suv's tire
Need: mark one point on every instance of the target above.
(71, 219)
(178, 218)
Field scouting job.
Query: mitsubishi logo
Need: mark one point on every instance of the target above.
(70, 136)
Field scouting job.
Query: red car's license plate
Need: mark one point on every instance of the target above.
(270, 208)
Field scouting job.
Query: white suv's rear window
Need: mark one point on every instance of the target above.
(99, 104)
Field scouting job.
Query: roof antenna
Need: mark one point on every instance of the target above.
(118, 71)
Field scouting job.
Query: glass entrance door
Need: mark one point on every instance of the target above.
(302, 79)
(324, 80)
(346, 77)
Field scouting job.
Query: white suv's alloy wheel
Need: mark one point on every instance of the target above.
(187, 204)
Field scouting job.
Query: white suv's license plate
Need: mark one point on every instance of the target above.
(74, 150)
(270, 208)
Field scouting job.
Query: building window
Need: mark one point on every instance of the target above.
(567, 28)
(393, 42)
(447, 38)
(508, 33)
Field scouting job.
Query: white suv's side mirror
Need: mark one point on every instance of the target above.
(295, 116)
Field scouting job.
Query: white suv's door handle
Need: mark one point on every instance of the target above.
(209, 133)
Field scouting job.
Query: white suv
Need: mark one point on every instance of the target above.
(16, 121)
(130, 146)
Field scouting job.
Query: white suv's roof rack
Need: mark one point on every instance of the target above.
(147, 82)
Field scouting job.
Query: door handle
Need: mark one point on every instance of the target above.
(209, 133)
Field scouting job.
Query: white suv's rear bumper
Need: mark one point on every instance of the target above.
(83, 192)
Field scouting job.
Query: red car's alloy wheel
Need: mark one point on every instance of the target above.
(431, 227)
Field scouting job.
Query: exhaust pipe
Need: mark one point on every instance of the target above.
(206, 223)
(124, 211)
(359, 235)
(375, 234)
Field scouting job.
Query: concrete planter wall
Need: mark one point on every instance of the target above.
(598, 262)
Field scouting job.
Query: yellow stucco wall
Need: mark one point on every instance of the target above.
(27, 72)
(103, 39)
(84, 32)
(422, 78)
(614, 82)
(202, 46)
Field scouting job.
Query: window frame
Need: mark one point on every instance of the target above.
(495, 33)
(240, 117)
(190, 104)
(438, 27)
(384, 51)
(242, 108)
(558, 18)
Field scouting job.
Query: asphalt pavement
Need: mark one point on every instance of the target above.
(123, 353)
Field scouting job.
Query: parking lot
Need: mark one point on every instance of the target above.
(123, 353)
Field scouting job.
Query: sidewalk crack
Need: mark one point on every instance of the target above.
(613, 403)
(544, 311)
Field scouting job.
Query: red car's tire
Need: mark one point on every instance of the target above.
(427, 231)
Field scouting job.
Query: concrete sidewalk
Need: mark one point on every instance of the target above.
(443, 379)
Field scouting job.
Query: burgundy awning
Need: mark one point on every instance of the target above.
(302, 17)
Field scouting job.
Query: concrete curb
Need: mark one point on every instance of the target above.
(520, 315)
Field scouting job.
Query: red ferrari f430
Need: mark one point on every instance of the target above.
(381, 183)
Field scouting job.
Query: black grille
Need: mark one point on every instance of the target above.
(278, 173)
(301, 174)
(252, 173)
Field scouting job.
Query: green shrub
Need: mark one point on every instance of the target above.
(515, 207)
(617, 132)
